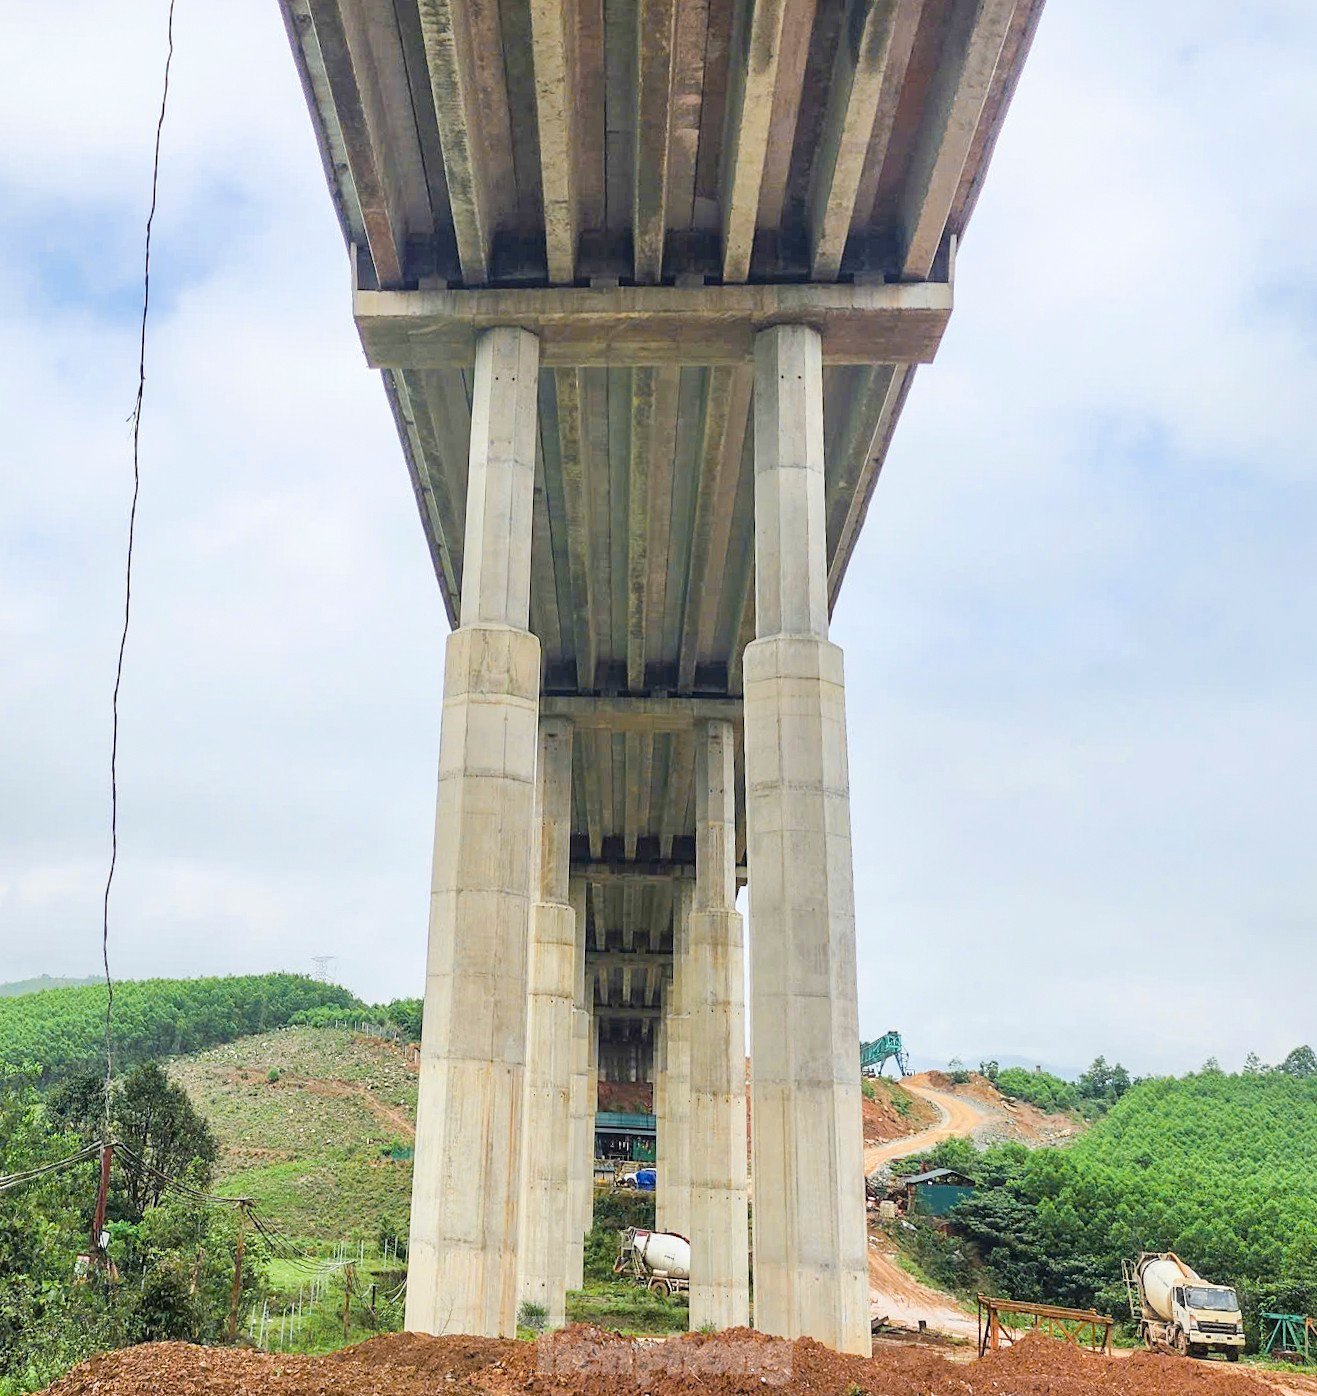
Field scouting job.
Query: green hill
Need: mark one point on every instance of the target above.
(44, 981)
(316, 1124)
(1221, 1169)
(57, 1033)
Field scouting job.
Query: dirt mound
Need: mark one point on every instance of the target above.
(894, 1113)
(1007, 1119)
(587, 1362)
(627, 1097)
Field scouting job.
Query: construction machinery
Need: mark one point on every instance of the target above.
(1289, 1337)
(1178, 1309)
(658, 1260)
(888, 1048)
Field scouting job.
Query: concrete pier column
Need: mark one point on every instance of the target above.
(714, 990)
(675, 1172)
(661, 1125)
(546, 1211)
(467, 1179)
(582, 1144)
(810, 1260)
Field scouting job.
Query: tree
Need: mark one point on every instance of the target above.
(957, 1071)
(161, 1131)
(989, 1069)
(1302, 1061)
(175, 1264)
(1254, 1065)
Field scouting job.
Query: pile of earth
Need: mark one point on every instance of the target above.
(588, 1362)
(627, 1097)
(1005, 1117)
(889, 1111)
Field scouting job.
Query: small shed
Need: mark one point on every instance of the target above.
(934, 1193)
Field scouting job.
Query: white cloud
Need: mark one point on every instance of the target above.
(1078, 627)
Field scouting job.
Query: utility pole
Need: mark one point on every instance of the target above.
(236, 1292)
(102, 1198)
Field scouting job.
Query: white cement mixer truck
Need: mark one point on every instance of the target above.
(659, 1260)
(1175, 1306)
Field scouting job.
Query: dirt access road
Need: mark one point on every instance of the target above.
(892, 1293)
(960, 1115)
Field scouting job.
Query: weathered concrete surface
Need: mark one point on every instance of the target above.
(714, 990)
(810, 1261)
(581, 1183)
(546, 1220)
(677, 1085)
(467, 1177)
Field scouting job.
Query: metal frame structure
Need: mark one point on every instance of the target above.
(875, 1055)
(1290, 1335)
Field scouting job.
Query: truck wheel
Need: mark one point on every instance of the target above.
(1232, 1354)
(1182, 1343)
(661, 1288)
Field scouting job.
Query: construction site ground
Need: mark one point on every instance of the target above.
(974, 1110)
(589, 1362)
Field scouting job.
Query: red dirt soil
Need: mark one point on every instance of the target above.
(587, 1362)
(884, 1122)
(627, 1097)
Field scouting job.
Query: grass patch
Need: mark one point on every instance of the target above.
(315, 1124)
(624, 1307)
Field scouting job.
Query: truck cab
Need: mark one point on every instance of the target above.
(1177, 1308)
(1209, 1319)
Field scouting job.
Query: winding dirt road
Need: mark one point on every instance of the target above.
(959, 1117)
(894, 1294)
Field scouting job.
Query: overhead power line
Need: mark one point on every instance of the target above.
(136, 419)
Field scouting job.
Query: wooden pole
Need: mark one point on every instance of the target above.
(347, 1299)
(236, 1291)
(102, 1198)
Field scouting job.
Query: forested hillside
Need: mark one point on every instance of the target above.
(59, 1032)
(1221, 1169)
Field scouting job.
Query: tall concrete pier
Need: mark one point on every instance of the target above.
(647, 285)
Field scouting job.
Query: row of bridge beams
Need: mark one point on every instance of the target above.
(647, 282)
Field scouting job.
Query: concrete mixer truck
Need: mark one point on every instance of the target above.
(1175, 1306)
(659, 1260)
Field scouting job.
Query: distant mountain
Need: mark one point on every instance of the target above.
(44, 981)
(922, 1061)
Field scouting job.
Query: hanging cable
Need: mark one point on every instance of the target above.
(27, 1175)
(170, 1183)
(136, 420)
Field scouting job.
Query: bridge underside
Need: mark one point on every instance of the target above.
(647, 282)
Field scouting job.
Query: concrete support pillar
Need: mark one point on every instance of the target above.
(713, 986)
(582, 1161)
(592, 1078)
(661, 1125)
(546, 1211)
(677, 1075)
(810, 1260)
(467, 1179)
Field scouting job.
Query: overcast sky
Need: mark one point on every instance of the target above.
(1080, 625)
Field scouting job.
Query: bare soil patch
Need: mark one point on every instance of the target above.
(587, 1362)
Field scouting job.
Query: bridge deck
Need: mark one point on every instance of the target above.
(695, 169)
